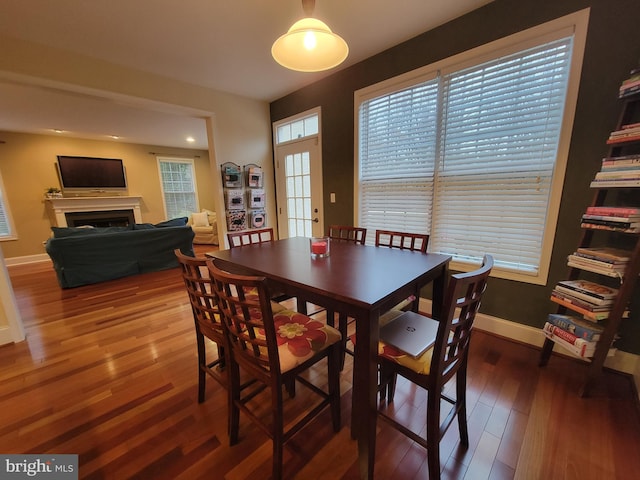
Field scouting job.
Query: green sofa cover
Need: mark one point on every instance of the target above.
(83, 256)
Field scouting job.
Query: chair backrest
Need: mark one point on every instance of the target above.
(245, 310)
(403, 240)
(248, 237)
(201, 296)
(461, 303)
(348, 234)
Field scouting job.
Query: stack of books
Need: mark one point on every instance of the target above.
(575, 335)
(631, 85)
(623, 171)
(607, 261)
(619, 219)
(592, 300)
(627, 133)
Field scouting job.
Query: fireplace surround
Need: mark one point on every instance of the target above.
(96, 211)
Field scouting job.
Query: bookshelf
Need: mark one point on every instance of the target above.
(602, 279)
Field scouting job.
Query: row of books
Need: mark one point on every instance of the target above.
(607, 261)
(619, 219)
(631, 85)
(592, 300)
(575, 335)
(626, 133)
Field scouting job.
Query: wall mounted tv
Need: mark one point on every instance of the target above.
(91, 175)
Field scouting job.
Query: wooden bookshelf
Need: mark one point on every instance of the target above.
(627, 148)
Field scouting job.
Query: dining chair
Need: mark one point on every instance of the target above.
(357, 235)
(204, 307)
(274, 349)
(249, 237)
(416, 242)
(439, 364)
(403, 240)
(348, 234)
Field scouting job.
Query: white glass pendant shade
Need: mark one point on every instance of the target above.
(309, 46)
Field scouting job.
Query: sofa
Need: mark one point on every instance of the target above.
(205, 226)
(86, 255)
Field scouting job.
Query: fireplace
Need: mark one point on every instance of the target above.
(96, 211)
(104, 218)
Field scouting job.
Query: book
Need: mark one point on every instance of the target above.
(581, 348)
(630, 174)
(624, 138)
(584, 304)
(594, 292)
(631, 159)
(620, 223)
(611, 218)
(595, 226)
(586, 314)
(605, 253)
(614, 211)
(578, 327)
(615, 183)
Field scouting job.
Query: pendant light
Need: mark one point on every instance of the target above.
(309, 45)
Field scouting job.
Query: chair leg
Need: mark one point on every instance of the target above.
(461, 405)
(290, 385)
(433, 434)
(342, 327)
(233, 396)
(333, 362)
(278, 434)
(202, 365)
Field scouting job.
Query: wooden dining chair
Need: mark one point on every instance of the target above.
(416, 242)
(274, 349)
(403, 240)
(348, 234)
(439, 364)
(204, 307)
(250, 237)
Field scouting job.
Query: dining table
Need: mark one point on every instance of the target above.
(360, 281)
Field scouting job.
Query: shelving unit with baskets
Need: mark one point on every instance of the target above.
(589, 311)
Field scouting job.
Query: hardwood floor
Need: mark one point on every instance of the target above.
(109, 372)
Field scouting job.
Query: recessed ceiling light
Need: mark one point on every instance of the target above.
(191, 139)
(57, 130)
(115, 137)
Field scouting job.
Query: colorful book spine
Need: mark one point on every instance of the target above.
(580, 347)
(580, 328)
(614, 211)
(592, 316)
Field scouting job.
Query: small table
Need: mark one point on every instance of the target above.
(360, 281)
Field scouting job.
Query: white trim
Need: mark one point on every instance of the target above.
(5, 335)
(623, 362)
(27, 259)
(576, 23)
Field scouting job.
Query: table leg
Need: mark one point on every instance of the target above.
(364, 412)
(439, 287)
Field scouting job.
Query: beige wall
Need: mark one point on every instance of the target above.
(27, 166)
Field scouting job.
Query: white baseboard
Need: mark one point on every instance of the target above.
(5, 335)
(622, 361)
(42, 257)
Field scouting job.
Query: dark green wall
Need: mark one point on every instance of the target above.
(612, 50)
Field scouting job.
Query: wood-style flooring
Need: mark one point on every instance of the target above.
(109, 372)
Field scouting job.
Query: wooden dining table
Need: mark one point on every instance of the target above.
(356, 280)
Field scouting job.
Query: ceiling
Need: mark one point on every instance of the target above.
(219, 44)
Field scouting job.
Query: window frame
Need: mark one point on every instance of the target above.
(188, 161)
(4, 205)
(574, 24)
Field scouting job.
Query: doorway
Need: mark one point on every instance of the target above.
(298, 171)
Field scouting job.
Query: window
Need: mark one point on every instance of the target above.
(6, 225)
(306, 126)
(177, 177)
(472, 151)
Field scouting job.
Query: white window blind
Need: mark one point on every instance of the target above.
(5, 227)
(178, 187)
(397, 139)
(472, 163)
(500, 132)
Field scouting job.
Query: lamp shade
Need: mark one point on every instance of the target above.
(309, 46)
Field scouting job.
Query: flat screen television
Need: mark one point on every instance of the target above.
(83, 175)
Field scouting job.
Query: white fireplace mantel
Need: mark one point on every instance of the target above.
(58, 207)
